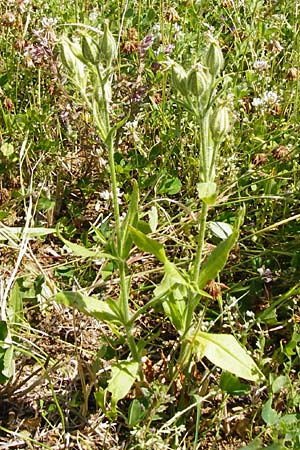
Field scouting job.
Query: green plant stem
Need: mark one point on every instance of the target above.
(201, 236)
(124, 306)
(114, 185)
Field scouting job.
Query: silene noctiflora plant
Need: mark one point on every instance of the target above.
(89, 64)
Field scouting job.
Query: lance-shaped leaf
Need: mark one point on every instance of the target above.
(174, 291)
(87, 305)
(80, 250)
(218, 257)
(216, 260)
(224, 351)
(130, 220)
(148, 245)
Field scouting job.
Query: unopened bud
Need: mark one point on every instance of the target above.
(214, 58)
(108, 45)
(72, 58)
(179, 79)
(219, 123)
(90, 50)
(197, 80)
(76, 49)
(67, 56)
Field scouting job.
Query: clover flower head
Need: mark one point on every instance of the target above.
(261, 65)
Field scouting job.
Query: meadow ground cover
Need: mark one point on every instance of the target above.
(149, 229)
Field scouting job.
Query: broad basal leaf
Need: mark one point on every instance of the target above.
(224, 351)
(123, 376)
(268, 414)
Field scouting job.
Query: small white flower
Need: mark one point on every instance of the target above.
(48, 22)
(105, 195)
(260, 65)
(93, 16)
(257, 102)
(270, 98)
(156, 30)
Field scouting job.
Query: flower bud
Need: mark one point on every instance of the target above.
(197, 80)
(219, 123)
(72, 58)
(214, 58)
(90, 50)
(108, 45)
(179, 79)
(67, 56)
(76, 49)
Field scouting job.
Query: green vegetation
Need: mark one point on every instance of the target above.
(149, 225)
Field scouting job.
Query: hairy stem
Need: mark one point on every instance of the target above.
(200, 244)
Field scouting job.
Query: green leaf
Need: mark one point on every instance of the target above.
(100, 397)
(173, 290)
(224, 351)
(136, 412)
(130, 220)
(3, 330)
(148, 245)
(207, 192)
(87, 305)
(123, 376)
(254, 445)
(7, 366)
(13, 232)
(15, 311)
(220, 229)
(153, 218)
(144, 227)
(280, 382)
(216, 260)
(175, 311)
(8, 363)
(169, 185)
(172, 277)
(80, 250)
(268, 414)
(230, 384)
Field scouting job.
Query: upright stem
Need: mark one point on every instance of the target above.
(205, 161)
(114, 186)
(124, 304)
(205, 150)
(200, 244)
